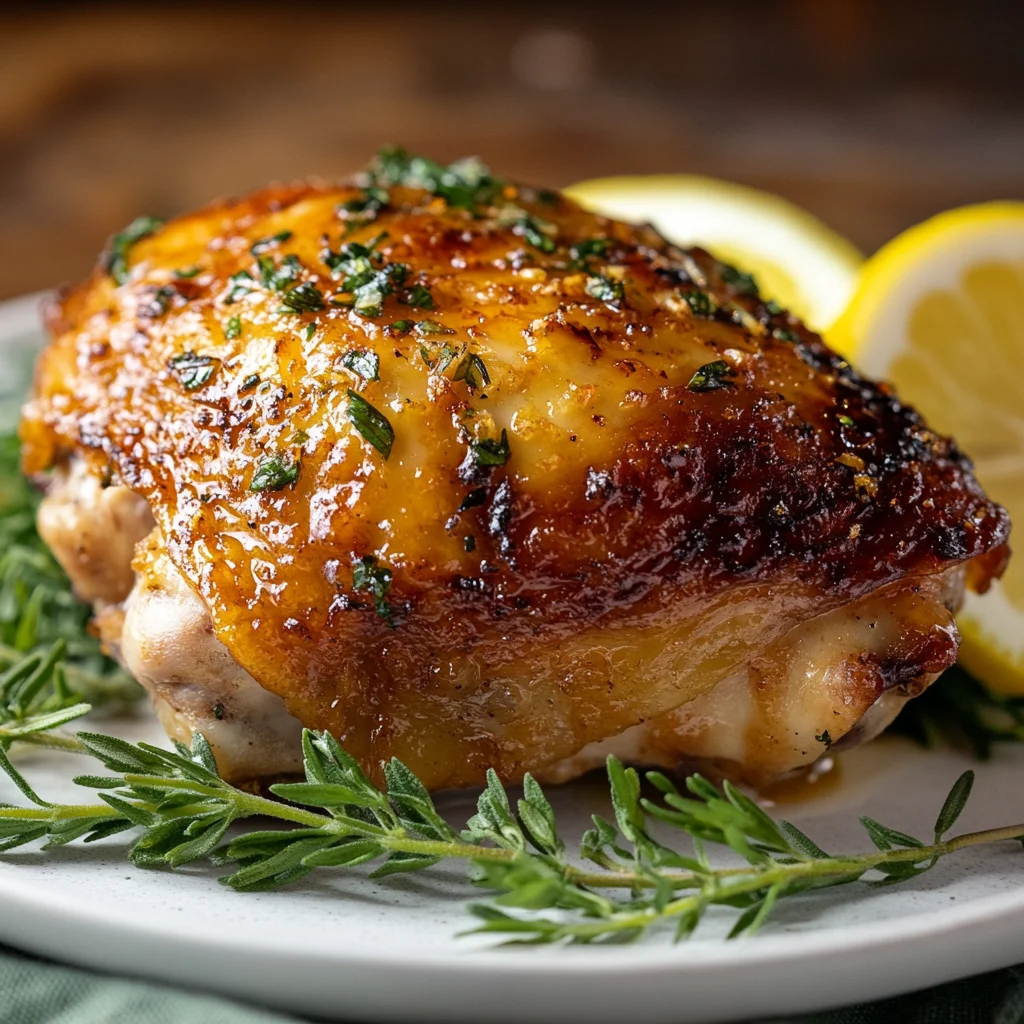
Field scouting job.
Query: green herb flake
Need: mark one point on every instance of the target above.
(309, 330)
(465, 184)
(488, 452)
(303, 298)
(712, 377)
(590, 248)
(473, 371)
(824, 739)
(278, 277)
(469, 543)
(781, 334)
(366, 207)
(249, 383)
(401, 326)
(739, 281)
(605, 289)
(700, 303)
(845, 421)
(261, 245)
(419, 297)
(116, 262)
(274, 474)
(300, 437)
(371, 424)
(232, 328)
(425, 328)
(187, 273)
(364, 364)
(193, 370)
(369, 575)
(239, 285)
(538, 233)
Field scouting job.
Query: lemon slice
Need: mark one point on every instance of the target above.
(796, 259)
(940, 312)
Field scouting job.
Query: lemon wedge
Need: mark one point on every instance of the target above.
(796, 259)
(940, 312)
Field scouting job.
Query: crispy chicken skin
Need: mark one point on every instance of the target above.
(601, 496)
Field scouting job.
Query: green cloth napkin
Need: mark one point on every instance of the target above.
(36, 992)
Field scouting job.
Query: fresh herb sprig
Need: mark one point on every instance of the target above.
(183, 810)
(39, 613)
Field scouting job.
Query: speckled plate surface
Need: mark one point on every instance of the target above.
(340, 946)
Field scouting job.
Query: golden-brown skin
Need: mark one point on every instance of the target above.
(644, 539)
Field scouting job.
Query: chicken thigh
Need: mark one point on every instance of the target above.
(469, 476)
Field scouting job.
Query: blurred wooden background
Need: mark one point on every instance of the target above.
(872, 114)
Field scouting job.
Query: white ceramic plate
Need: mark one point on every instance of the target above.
(340, 946)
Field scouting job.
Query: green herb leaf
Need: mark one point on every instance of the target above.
(740, 282)
(368, 574)
(232, 328)
(700, 303)
(116, 262)
(472, 371)
(371, 424)
(488, 452)
(194, 370)
(712, 377)
(362, 363)
(274, 474)
(419, 297)
(605, 288)
(263, 244)
(303, 298)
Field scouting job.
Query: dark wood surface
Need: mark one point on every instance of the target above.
(871, 114)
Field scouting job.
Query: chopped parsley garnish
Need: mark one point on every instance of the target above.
(472, 370)
(278, 278)
(419, 297)
(241, 284)
(536, 232)
(605, 289)
(363, 364)
(741, 282)
(364, 275)
(369, 575)
(845, 421)
(466, 184)
(712, 376)
(263, 244)
(824, 738)
(781, 334)
(274, 474)
(232, 328)
(371, 424)
(772, 308)
(488, 452)
(700, 303)
(589, 248)
(443, 359)
(160, 301)
(116, 263)
(249, 383)
(300, 437)
(428, 327)
(366, 207)
(401, 326)
(187, 273)
(309, 330)
(303, 298)
(192, 370)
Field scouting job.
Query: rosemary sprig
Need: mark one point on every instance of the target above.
(183, 811)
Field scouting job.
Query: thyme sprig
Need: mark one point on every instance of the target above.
(183, 810)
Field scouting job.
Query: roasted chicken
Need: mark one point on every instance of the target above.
(469, 476)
